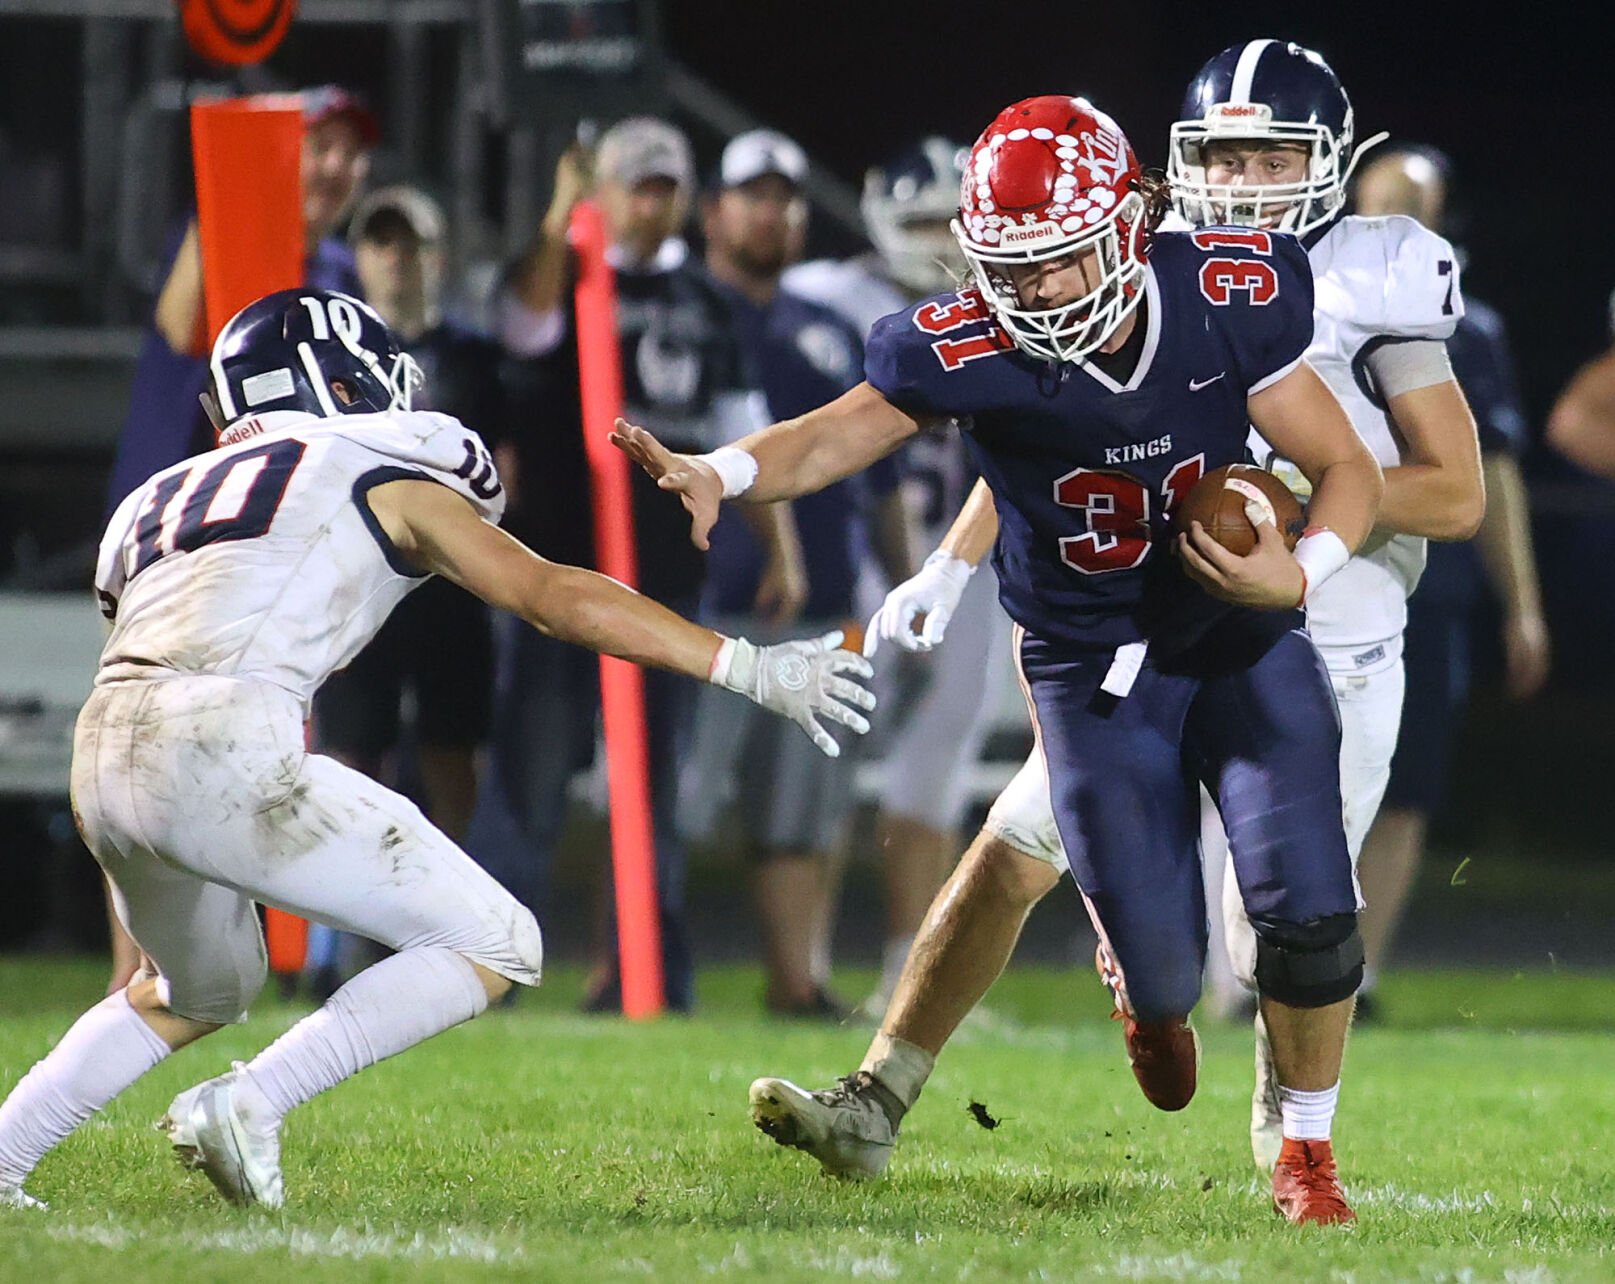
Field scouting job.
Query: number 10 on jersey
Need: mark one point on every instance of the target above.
(1116, 507)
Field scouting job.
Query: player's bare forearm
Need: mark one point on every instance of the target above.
(1439, 492)
(1345, 495)
(975, 529)
(595, 611)
(808, 453)
(440, 532)
(1304, 421)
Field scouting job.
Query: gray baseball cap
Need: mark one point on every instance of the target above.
(644, 147)
(419, 212)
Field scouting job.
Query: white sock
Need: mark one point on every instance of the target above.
(386, 1008)
(903, 1067)
(892, 958)
(1370, 976)
(108, 1048)
(1308, 1115)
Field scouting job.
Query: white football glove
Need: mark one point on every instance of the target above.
(933, 591)
(799, 681)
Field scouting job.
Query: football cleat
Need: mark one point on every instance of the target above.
(1165, 1056)
(17, 1197)
(844, 1127)
(225, 1128)
(1306, 1188)
(1267, 1120)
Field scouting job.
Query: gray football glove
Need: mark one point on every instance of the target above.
(800, 681)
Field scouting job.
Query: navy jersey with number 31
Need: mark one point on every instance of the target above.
(1086, 470)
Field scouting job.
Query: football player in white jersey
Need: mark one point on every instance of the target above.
(236, 582)
(1265, 140)
(937, 729)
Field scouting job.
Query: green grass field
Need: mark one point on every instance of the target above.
(1475, 1134)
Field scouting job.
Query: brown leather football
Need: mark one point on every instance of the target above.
(1218, 502)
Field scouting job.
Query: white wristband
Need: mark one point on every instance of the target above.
(1321, 554)
(736, 469)
(735, 665)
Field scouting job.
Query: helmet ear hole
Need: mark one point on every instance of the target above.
(344, 391)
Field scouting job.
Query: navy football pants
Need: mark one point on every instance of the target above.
(1250, 712)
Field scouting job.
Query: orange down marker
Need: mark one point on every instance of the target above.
(622, 685)
(249, 200)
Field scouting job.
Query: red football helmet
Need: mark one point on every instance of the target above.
(1053, 177)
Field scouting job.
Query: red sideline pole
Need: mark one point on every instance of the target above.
(249, 203)
(622, 685)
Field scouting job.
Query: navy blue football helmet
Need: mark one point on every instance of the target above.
(291, 349)
(1271, 92)
(907, 206)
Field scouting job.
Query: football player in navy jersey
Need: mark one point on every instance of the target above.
(1099, 369)
(1266, 140)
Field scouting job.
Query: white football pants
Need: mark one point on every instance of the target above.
(197, 797)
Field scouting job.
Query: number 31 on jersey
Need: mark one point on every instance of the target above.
(1116, 507)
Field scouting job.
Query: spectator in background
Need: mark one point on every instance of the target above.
(165, 423)
(934, 714)
(792, 810)
(438, 644)
(1441, 614)
(682, 366)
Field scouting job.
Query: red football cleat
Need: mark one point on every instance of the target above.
(1165, 1056)
(1306, 1189)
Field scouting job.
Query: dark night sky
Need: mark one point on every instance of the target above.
(1519, 98)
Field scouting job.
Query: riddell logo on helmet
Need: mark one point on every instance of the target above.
(1032, 234)
(1259, 112)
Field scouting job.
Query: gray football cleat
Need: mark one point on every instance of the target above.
(224, 1127)
(844, 1127)
(17, 1197)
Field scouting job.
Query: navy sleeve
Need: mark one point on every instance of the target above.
(923, 360)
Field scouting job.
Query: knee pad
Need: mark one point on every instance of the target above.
(1309, 965)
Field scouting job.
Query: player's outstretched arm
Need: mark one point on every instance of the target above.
(930, 596)
(440, 532)
(796, 457)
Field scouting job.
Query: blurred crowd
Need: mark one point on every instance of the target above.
(722, 328)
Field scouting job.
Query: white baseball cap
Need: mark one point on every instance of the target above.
(758, 152)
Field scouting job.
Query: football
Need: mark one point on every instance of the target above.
(1218, 502)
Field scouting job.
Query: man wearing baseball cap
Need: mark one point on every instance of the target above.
(792, 810)
(165, 424)
(682, 366)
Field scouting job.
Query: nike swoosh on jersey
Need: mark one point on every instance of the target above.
(1196, 384)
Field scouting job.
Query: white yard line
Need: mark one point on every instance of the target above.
(301, 1241)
